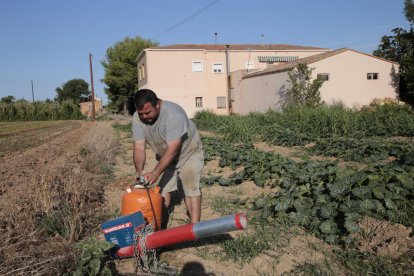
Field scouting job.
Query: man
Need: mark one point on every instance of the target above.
(175, 141)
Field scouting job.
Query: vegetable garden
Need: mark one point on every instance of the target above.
(326, 196)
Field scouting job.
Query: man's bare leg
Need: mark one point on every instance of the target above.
(167, 200)
(193, 205)
(166, 210)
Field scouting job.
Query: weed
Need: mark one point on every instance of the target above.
(236, 191)
(311, 269)
(220, 205)
(364, 263)
(244, 247)
(57, 222)
(123, 127)
(90, 258)
(227, 206)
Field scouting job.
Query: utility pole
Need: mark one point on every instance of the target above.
(92, 89)
(215, 38)
(230, 109)
(32, 92)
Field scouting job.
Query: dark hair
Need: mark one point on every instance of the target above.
(144, 96)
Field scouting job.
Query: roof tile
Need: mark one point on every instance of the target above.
(307, 60)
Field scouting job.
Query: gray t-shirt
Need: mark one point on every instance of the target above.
(172, 123)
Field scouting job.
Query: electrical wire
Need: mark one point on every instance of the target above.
(185, 20)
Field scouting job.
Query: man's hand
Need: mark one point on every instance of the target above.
(173, 148)
(152, 177)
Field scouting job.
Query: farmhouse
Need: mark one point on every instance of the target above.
(86, 107)
(244, 78)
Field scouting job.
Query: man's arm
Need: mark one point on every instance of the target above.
(138, 155)
(173, 148)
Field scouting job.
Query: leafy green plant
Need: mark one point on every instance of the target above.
(331, 209)
(365, 150)
(90, 258)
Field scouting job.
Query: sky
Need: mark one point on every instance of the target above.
(48, 42)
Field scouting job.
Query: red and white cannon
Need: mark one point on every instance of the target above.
(123, 230)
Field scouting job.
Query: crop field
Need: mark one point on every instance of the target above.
(339, 175)
(11, 127)
(327, 191)
(51, 193)
(18, 136)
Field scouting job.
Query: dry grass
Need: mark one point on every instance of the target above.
(41, 220)
(100, 146)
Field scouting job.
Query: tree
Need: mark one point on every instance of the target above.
(409, 11)
(302, 90)
(400, 48)
(8, 99)
(76, 90)
(121, 77)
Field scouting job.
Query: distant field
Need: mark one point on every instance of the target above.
(7, 127)
(16, 137)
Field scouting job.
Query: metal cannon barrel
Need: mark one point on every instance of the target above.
(189, 232)
(197, 230)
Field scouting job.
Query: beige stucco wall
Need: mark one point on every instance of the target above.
(170, 75)
(347, 83)
(86, 107)
(258, 94)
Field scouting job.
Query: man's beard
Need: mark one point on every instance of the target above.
(147, 122)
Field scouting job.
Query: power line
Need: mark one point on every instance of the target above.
(185, 20)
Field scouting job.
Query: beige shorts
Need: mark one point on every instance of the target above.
(188, 176)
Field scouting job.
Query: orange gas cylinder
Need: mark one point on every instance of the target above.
(137, 199)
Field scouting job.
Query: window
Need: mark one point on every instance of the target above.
(323, 76)
(217, 68)
(372, 76)
(221, 102)
(141, 72)
(199, 101)
(249, 65)
(197, 66)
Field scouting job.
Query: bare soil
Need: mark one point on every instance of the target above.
(383, 238)
(27, 153)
